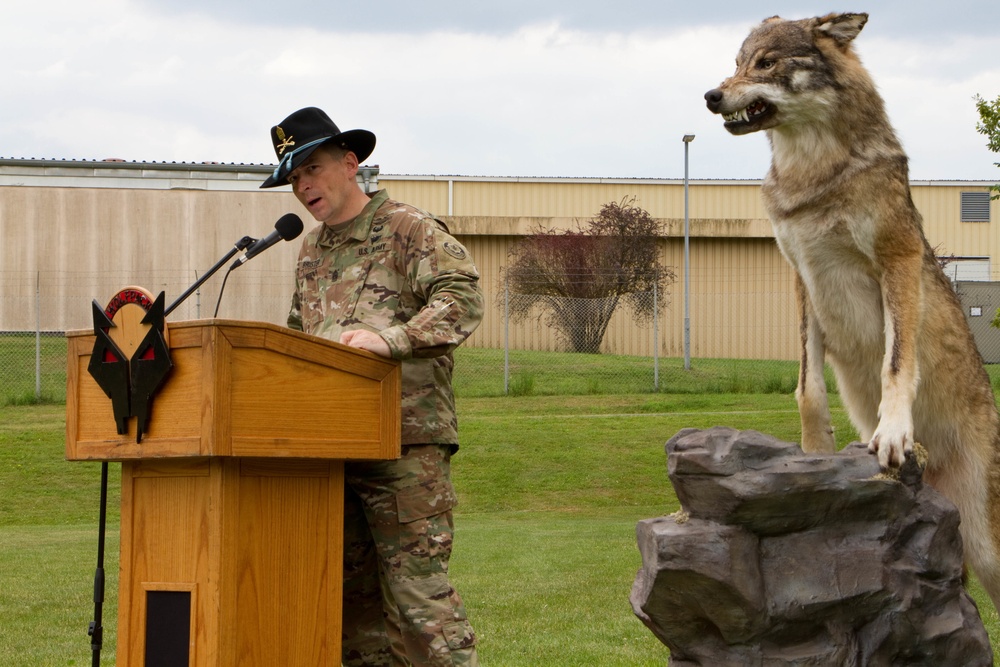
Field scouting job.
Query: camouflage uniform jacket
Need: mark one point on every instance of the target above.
(396, 271)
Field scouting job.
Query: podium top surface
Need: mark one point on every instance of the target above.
(248, 389)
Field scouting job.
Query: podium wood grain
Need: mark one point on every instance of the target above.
(235, 494)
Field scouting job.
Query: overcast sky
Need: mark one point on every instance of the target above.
(458, 87)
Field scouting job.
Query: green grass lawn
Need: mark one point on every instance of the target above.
(550, 486)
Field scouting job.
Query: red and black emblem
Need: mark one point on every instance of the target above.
(130, 359)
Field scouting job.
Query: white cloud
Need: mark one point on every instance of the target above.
(139, 81)
(929, 98)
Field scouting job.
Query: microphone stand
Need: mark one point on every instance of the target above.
(242, 244)
(96, 629)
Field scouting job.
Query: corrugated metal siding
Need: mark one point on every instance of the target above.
(490, 255)
(83, 244)
(581, 200)
(742, 300)
(742, 303)
(429, 195)
(87, 243)
(731, 201)
(941, 211)
(569, 199)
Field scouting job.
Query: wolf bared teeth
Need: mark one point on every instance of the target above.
(747, 113)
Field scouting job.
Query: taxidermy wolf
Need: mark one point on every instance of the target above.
(872, 298)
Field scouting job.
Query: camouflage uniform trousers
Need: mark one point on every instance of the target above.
(399, 607)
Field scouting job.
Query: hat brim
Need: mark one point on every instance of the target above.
(359, 142)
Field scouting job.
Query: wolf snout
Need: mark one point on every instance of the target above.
(713, 99)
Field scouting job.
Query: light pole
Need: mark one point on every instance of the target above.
(688, 138)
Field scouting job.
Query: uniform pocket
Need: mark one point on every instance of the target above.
(349, 292)
(310, 302)
(459, 635)
(375, 302)
(424, 501)
(426, 528)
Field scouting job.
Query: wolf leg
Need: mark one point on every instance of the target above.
(902, 297)
(814, 408)
(966, 480)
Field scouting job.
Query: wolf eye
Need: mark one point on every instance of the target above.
(765, 64)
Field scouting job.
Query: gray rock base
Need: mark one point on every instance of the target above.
(780, 558)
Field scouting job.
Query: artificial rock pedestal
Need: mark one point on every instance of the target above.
(780, 558)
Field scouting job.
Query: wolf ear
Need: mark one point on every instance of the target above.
(841, 28)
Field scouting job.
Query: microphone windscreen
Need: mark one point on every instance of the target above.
(288, 226)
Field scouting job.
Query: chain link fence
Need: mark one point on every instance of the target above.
(980, 300)
(37, 308)
(581, 329)
(743, 339)
(635, 342)
(575, 345)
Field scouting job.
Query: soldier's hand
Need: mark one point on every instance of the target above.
(366, 340)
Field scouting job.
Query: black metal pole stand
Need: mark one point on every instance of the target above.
(96, 630)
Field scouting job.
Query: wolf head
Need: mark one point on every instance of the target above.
(789, 72)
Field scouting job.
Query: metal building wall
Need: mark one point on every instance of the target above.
(742, 302)
(80, 232)
(81, 244)
(940, 207)
(574, 198)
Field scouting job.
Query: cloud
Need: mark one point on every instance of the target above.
(929, 97)
(547, 92)
(917, 18)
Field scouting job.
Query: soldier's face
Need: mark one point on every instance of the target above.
(325, 183)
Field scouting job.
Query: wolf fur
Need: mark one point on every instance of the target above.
(872, 298)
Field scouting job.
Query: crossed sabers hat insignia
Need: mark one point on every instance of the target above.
(285, 143)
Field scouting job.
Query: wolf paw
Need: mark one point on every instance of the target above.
(891, 447)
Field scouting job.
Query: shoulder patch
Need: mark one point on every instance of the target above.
(453, 249)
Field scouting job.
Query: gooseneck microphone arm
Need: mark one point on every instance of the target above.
(241, 245)
(288, 227)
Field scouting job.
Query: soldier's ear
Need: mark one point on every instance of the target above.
(841, 28)
(352, 161)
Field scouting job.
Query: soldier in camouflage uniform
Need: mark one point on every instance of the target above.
(389, 278)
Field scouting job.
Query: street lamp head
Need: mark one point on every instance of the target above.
(688, 138)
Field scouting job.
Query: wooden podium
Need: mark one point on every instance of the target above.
(232, 503)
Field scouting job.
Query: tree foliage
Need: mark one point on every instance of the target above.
(576, 279)
(989, 125)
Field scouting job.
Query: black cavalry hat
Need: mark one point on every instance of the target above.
(296, 137)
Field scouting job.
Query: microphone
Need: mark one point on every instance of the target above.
(286, 228)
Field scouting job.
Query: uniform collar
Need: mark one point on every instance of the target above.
(356, 229)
